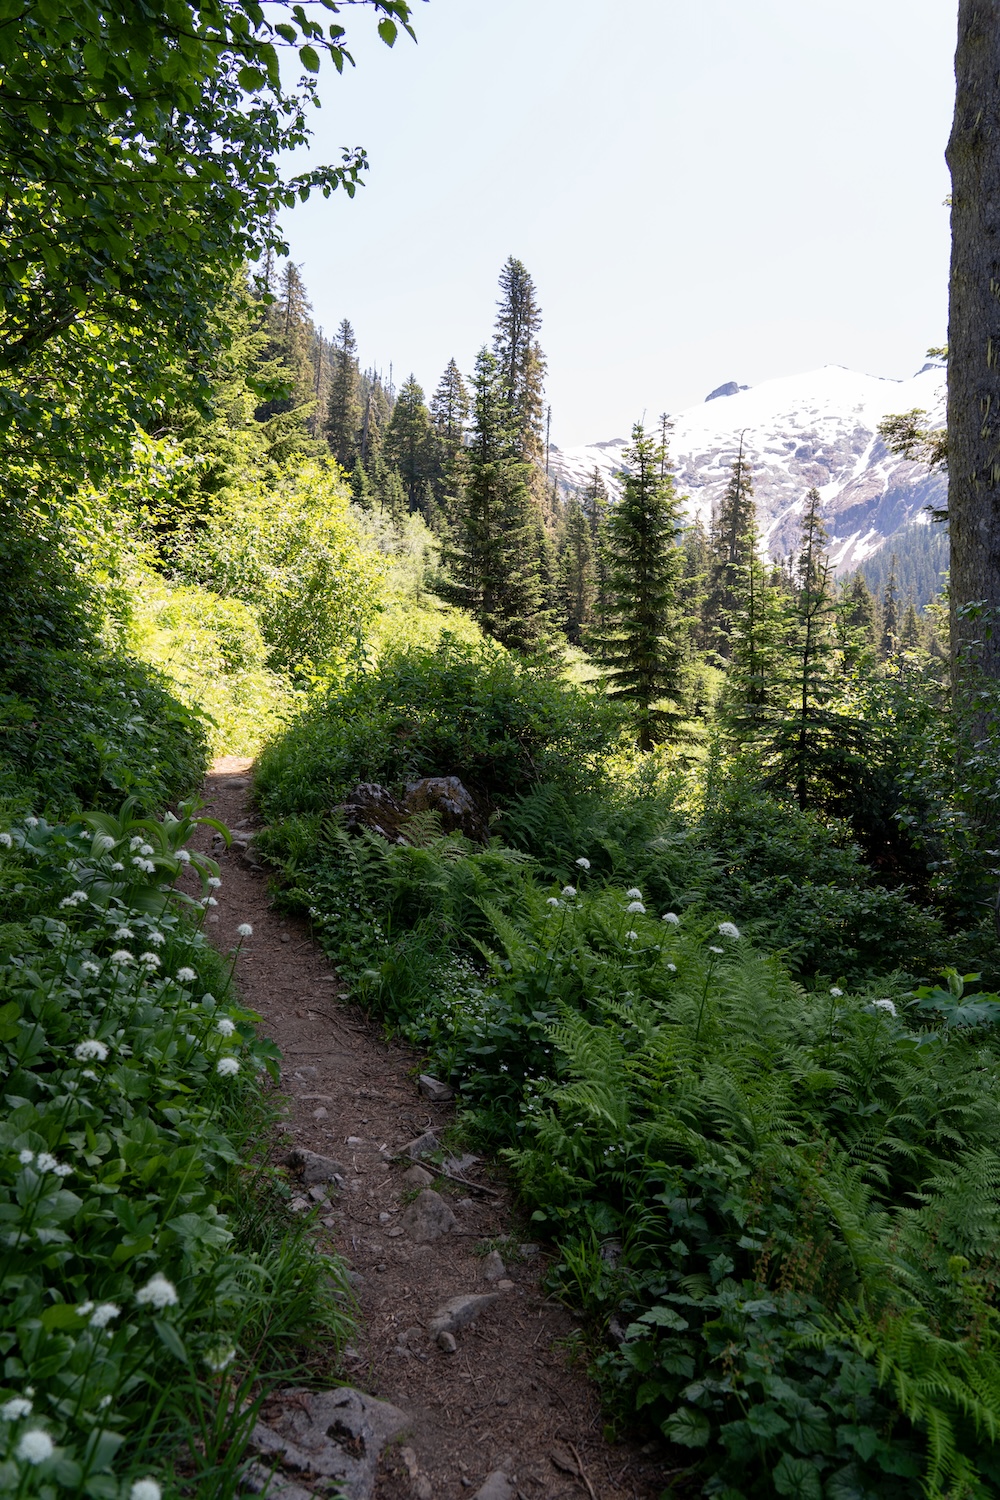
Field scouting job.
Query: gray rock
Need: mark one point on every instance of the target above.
(434, 1089)
(459, 1312)
(313, 1168)
(496, 1487)
(493, 1266)
(446, 795)
(411, 1338)
(422, 1146)
(259, 1480)
(428, 1217)
(418, 1177)
(336, 1435)
(446, 1342)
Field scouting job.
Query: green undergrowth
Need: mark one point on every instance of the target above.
(151, 1288)
(765, 1151)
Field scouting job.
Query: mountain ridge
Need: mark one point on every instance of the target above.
(817, 429)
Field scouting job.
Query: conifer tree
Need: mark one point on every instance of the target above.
(577, 578)
(594, 504)
(643, 647)
(730, 546)
(911, 636)
(889, 643)
(449, 421)
(856, 623)
(520, 359)
(288, 358)
(376, 416)
(493, 549)
(343, 417)
(694, 574)
(408, 441)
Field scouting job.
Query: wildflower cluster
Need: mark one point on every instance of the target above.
(112, 1057)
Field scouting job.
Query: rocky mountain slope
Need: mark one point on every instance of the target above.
(802, 430)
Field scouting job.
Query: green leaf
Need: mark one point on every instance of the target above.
(766, 1421)
(250, 79)
(664, 1317)
(61, 1315)
(387, 31)
(309, 58)
(171, 1339)
(688, 1427)
(797, 1478)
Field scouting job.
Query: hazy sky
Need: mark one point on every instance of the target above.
(702, 190)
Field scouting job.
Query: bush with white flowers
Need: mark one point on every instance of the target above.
(127, 1088)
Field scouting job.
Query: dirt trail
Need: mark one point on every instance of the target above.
(509, 1397)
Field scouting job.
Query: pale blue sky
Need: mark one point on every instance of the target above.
(702, 190)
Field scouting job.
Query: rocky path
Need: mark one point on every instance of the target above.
(454, 1329)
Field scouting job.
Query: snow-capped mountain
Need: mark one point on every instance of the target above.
(818, 429)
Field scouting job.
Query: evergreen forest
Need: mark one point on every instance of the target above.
(715, 978)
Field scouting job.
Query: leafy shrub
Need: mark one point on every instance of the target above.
(90, 727)
(472, 711)
(292, 551)
(137, 1282)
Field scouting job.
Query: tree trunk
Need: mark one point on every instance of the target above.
(973, 156)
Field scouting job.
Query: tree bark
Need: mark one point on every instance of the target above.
(973, 157)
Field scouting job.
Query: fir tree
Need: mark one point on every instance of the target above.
(694, 574)
(643, 648)
(291, 341)
(856, 623)
(449, 421)
(343, 415)
(520, 359)
(376, 416)
(577, 577)
(889, 642)
(730, 546)
(493, 550)
(408, 441)
(911, 636)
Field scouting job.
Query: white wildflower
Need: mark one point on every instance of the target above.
(15, 1408)
(186, 976)
(225, 1027)
(672, 968)
(121, 956)
(158, 1292)
(31, 822)
(553, 901)
(104, 843)
(150, 960)
(104, 1313)
(729, 930)
(90, 1051)
(835, 991)
(117, 865)
(632, 936)
(244, 930)
(227, 1066)
(210, 901)
(885, 1005)
(636, 906)
(136, 842)
(713, 949)
(584, 864)
(633, 893)
(67, 901)
(183, 856)
(671, 917)
(218, 1359)
(214, 882)
(61, 1169)
(6, 842)
(87, 967)
(146, 849)
(35, 1446)
(84, 1309)
(569, 890)
(104, 1402)
(26, 1158)
(145, 1489)
(46, 1162)
(89, 1073)
(156, 938)
(145, 865)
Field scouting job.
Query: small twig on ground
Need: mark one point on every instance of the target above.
(582, 1468)
(477, 1187)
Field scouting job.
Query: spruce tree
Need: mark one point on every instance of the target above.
(911, 636)
(643, 646)
(343, 415)
(492, 553)
(856, 623)
(408, 441)
(376, 415)
(449, 421)
(520, 360)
